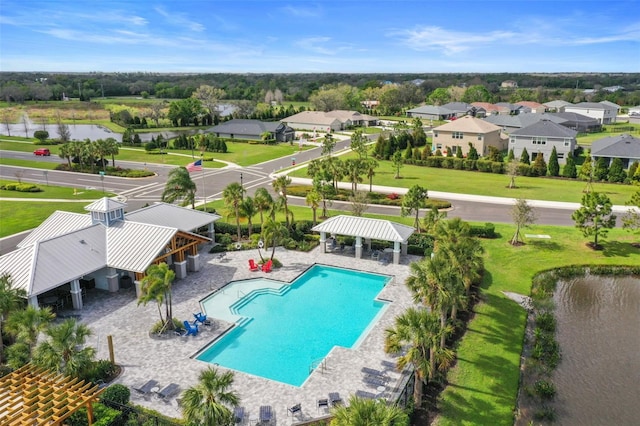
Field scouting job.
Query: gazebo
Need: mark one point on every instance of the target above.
(367, 229)
(35, 396)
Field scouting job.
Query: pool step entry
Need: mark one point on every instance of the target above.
(318, 363)
(248, 298)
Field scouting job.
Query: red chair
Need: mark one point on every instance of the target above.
(267, 266)
(252, 265)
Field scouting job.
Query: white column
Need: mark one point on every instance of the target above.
(112, 280)
(181, 269)
(396, 252)
(193, 262)
(323, 240)
(211, 233)
(33, 301)
(76, 295)
(405, 246)
(358, 247)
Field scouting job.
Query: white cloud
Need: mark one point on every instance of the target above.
(303, 12)
(451, 42)
(180, 20)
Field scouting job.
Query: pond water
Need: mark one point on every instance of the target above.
(598, 378)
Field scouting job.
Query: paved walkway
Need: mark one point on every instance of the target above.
(171, 360)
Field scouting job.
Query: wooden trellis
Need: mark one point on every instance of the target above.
(35, 396)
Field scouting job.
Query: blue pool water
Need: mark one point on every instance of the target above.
(283, 332)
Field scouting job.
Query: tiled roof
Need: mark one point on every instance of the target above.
(620, 146)
(557, 104)
(546, 128)
(366, 228)
(469, 124)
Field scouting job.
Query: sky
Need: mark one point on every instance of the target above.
(347, 36)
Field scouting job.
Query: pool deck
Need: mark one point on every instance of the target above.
(171, 360)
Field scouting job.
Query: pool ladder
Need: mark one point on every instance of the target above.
(322, 363)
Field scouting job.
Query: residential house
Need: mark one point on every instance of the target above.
(541, 137)
(458, 134)
(530, 106)
(313, 120)
(430, 112)
(351, 119)
(253, 130)
(509, 84)
(104, 249)
(624, 147)
(557, 105)
(604, 113)
(579, 122)
(485, 109)
(634, 111)
(459, 109)
(509, 109)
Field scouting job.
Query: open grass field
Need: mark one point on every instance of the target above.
(609, 130)
(465, 182)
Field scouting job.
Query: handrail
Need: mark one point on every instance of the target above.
(320, 362)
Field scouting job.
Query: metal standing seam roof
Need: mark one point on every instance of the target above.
(19, 265)
(621, 146)
(149, 241)
(105, 204)
(163, 214)
(58, 223)
(356, 226)
(546, 128)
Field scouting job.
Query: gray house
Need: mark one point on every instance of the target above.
(624, 147)
(510, 123)
(542, 136)
(579, 122)
(253, 130)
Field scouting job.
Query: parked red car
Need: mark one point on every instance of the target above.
(42, 151)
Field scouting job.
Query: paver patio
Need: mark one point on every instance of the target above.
(171, 360)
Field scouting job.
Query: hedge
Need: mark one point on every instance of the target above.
(21, 187)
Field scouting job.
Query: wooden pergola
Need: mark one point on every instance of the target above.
(35, 396)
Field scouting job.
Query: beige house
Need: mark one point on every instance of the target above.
(459, 133)
(330, 121)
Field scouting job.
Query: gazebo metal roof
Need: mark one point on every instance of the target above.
(365, 227)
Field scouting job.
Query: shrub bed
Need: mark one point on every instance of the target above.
(21, 187)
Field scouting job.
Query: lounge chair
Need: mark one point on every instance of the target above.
(375, 255)
(267, 266)
(201, 318)
(388, 365)
(365, 394)
(168, 391)
(374, 381)
(146, 388)
(253, 266)
(323, 403)
(334, 398)
(192, 329)
(295, 409)
(372, 371)
(265, 414)
(238, 415)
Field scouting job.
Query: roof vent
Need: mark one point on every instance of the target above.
(83, 242)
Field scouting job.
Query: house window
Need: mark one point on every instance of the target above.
(560, 155)
(479, 137)
(566, 144)
(457, 135)
(512, 140)
(435, 134)
(438, 146)
(539, 141)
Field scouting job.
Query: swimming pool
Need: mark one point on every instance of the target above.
(283, 329)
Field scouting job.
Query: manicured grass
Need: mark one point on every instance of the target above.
(483, 385)
(35, 164)
(19, 216)
(53, 192)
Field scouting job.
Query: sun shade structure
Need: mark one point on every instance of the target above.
(35, 396)
(367, 228)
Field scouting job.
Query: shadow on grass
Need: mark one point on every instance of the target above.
(546, 245)
(618, 249)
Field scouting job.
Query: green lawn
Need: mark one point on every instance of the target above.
(35, 164)
(465, 182)
(19, 216)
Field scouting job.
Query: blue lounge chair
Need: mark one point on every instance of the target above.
(200, 318)
(295, 409)
(238, 416)
(192, 329)
(265, 414)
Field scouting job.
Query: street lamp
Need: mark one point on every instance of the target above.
(241, 186)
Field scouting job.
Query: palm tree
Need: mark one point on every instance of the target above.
(25, 325)
(313, 200)
(248, 209)
(263, 202)
(64, 350)
(207, 403)
(11, 297)
(353, 168)
(416, 332)
(232, 196)
(273, 232)
(370, 169)
(112, 149)
(66, 152)
(280, 186)
(366, 412)
(102, 149)
(180, 186)
(156, 286)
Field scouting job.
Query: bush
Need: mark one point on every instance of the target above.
(545, 413)
(544, 389)
(546, 322)
(103, 416)
(486, 231)
(21, 187)
(120, 394)
(101, 371)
